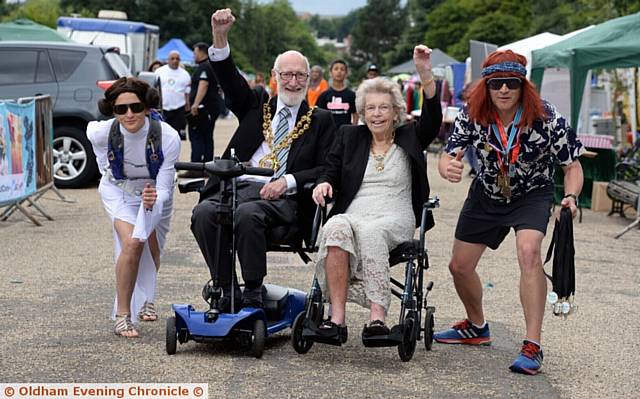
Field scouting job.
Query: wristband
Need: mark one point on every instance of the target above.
(575, 197)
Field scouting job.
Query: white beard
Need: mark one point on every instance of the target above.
(291, 99)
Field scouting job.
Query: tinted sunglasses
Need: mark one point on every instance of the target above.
(497, 83)
(121, 109)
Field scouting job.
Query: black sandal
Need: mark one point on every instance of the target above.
(327, 332)
(375, 328)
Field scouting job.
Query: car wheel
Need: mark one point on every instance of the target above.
(74, 164)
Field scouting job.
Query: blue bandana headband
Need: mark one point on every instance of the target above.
(505, 67)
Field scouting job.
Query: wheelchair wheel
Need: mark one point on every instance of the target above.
(428, 328)
(172, 336)
(407, 348)
(258, 336)
(299, 344)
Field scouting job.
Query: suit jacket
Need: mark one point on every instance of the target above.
(307, 154)
(347, 160)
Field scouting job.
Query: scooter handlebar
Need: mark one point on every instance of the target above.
(250, 170)
(224, 168)
(198, 166)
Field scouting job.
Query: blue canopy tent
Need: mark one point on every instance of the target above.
(186, 54)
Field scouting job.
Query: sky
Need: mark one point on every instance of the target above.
(325, 7)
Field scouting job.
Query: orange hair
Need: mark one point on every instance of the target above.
(481, 108)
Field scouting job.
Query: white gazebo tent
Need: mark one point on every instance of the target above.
(555, 85)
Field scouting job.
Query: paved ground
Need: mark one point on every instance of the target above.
(57, 284)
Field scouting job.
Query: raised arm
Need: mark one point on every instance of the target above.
(235, 87)
(431, 115)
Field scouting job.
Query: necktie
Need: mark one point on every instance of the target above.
(281, 132)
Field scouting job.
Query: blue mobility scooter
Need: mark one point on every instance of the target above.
(249, 326)
(413, 300)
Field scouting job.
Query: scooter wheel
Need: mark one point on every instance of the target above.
(172, 336)
(258, 336)
(300, 344)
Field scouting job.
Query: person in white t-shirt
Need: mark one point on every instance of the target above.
(176, 85)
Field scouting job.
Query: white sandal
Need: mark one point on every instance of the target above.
(123, 325)
(148, 312)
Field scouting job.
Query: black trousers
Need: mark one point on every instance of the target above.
(201, 129)
(176, 118)
(253, 219)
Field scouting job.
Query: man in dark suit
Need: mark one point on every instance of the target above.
(283, 134)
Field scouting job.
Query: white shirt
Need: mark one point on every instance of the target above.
(134, 158)
(221, 54)
(176, 83)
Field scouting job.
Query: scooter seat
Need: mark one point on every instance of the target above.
(274, 301)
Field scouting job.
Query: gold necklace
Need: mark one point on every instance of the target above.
(271, 160)
(379, 158)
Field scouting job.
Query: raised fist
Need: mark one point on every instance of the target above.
(222, 21)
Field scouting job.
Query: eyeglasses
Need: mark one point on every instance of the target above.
(497, 83)
(287, 76)
(383, 108)
(121, 109)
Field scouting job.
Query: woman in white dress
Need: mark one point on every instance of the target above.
(377, 172)
(136, 156)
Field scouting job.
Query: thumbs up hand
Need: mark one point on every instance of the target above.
(455, 167)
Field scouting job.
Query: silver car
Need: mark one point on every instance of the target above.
(75, 76)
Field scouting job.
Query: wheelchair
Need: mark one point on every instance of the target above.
(412, 325)
(250, 326)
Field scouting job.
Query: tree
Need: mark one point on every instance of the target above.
(6, 10)
(44, 12)
(377, 30)
(417, 11)
(265, 30)
(453, 23)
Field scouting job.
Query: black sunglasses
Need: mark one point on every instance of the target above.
(497, 83)
(121, 109)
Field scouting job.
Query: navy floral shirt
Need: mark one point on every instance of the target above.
(546, 143)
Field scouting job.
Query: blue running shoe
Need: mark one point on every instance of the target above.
(466, 333)
(530, 359)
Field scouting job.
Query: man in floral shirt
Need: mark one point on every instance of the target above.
(518, 139)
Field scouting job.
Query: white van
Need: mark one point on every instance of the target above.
(137, 40)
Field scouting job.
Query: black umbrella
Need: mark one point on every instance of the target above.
(563, 275)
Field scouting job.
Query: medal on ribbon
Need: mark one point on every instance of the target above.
(508, 151)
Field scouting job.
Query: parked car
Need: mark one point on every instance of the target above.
(75, 76)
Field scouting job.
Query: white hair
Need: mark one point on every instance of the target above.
(276, 63)
(381, 85)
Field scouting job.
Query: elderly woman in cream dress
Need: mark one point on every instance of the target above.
(378, 174)
(136, 187)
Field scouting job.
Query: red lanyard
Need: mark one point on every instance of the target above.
(505, 142)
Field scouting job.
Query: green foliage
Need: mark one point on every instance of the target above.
(44, 12)
(6, 10)
(384, 31)
(378, 29)
(417, 11)
(264, 31)
(452, 23)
